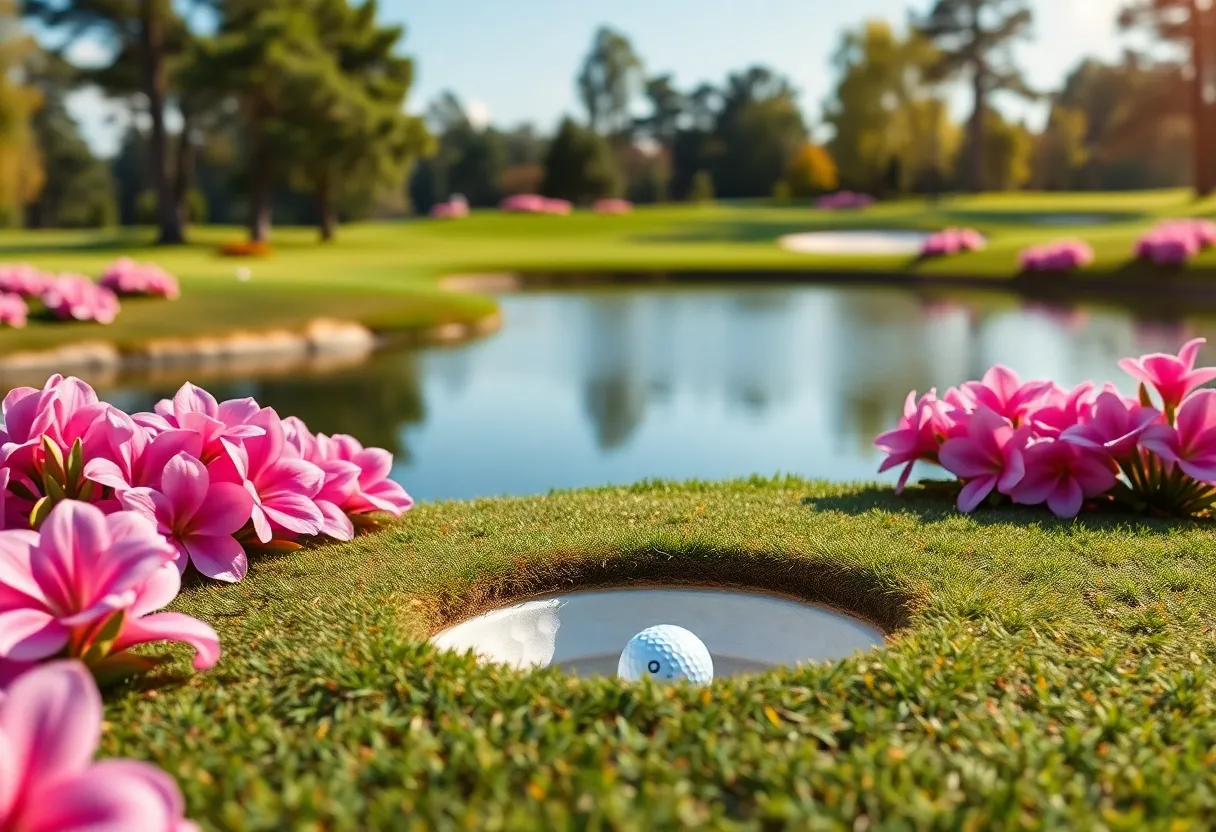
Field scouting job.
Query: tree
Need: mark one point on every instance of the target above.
(974, 38)
(812, 172)
(758, 131)
(579, 166)
(1006, 154)
(21, 167)
(609, 79)
(881, 108)
(359, 139)
(702, 187)
(1190, 24)
(667, 106)
(1061, 152)
(148, 36)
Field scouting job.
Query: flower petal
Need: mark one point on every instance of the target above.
(172, 626)
(219, 557)
(51, 721)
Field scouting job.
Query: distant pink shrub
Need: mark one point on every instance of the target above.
(535, 204)
(454, 209)
(23, 279)
(127, 277)
(612, 206)
(844, 201)
(1176, 242)
(953, 241)
(13, 310)
(1061, 256)
(75, 297)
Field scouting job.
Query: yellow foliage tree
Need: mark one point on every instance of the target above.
(21, 171)
(812, 171)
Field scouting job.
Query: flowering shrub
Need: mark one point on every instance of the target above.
(1062, 256)
(245, 248)
(24, 280)
(1176, 242)
(213, 479)
(953, 241)
(612, 206)
(844, 200)
(455, 208)
(75, 297)
(1034, 443)
(127, 277)
(535, 204)
(13, 310)
(50, 724)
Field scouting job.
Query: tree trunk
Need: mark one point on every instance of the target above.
(183, 171)
(1203, 112)
(327, 219)
(151, 35)
(975, 133)
(259, 193)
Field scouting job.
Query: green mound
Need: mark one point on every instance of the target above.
(1041, 674)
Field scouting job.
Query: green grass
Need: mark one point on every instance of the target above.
(384, 274)
(1044, 674)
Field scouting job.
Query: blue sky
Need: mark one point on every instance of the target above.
(515, 60)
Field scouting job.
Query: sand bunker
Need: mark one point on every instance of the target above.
(876, 242)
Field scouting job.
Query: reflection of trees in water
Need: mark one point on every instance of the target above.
(761, 345)
(615, 390)
(371, 401)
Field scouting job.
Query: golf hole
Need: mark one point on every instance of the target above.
(875, 242)
(583, 633)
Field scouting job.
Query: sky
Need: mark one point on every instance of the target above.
(512, 61)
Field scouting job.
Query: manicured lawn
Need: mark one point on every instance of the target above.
(1044, 674)
(384, 274)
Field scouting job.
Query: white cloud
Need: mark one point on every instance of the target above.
(101, 120)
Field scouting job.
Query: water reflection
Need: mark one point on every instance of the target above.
(613, 386)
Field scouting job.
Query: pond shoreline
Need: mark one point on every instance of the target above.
(328, 341)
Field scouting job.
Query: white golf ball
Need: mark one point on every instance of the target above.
(668, 653)
(244, 273)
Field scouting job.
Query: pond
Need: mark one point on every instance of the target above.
(596, 387)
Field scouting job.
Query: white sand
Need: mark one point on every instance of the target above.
(875, 242)
(585, 632)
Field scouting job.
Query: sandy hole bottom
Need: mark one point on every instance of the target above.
(855, 242)
(584, 632)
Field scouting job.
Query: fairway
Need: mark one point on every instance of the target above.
(385, 275)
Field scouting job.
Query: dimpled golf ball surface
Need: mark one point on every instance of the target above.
(668, 653)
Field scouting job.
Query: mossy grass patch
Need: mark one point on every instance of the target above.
(1038, 673)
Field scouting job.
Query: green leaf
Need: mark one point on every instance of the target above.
(23, 491)
(123, 665)
(101, 643)
(75, 468)
(54, 459)
(53, 489)
(86, 490)
(41, 509)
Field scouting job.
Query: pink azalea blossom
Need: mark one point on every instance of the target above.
(283, 488)
(220, 426)
(24, 280)
(128, 455)
(74, 296)
(50, 724)
(1003, 391)
(987, 456)
(1113, 425)
(844, 201)
(1173, 377)
(455, 208)
(61, 585)
(197, 516)
(1062, 256)
(1060, 410)
(127, 277)
(523, 204)
(13, 311)
(1191, 444)
(612, 206)
(918, 436)
(952, 241)
(1063, 475)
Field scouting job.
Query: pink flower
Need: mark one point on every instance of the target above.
(612, 206)
(62, 585)
(128, 455)
(844, 200)
(1003, 391)
(1112, 426)
(219, 426)
(13, 311)
(75, 296)
(1063, 475)
(50, 723)
(1173, 377)
(284, 488)
(198, 517)
(1061, 410)
(1192, 443)
(557, 207)
(986, 456)
(126, 277)
(918, 436)
(1062, 256)
(952, 241)
(23, 279)
(523, 203)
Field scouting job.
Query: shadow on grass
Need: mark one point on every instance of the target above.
(1043, 219)
(879, 599)
(757, 232)
(111, 241)
(936, 504)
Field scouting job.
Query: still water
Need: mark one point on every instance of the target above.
(613, 386)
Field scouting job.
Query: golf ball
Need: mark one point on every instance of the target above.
(666, 652)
